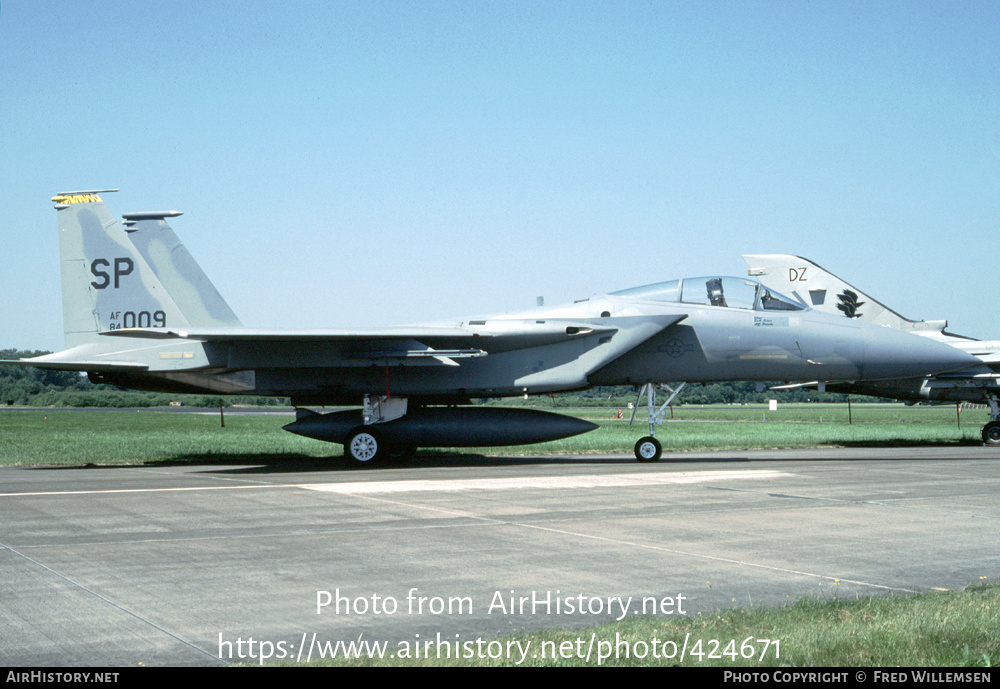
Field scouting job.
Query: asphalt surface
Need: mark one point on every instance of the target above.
(179, 565)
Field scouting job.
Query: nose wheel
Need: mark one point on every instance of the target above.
(648, 449)
(991, 433)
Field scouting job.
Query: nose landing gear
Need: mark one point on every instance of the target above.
(649, 449)
(991, 431)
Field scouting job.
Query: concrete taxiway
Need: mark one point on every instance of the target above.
(177, 565)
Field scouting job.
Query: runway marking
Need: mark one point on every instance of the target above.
(421, 485)
(142, 490)
(544, 482)
(375, 490)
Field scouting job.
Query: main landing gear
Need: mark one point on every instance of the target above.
(991, 431)
(365, 445)
(648, 449)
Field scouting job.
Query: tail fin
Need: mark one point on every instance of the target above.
(177, 270)
(824, 291)
(106, 284)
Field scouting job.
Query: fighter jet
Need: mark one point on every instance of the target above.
(140, 313)
(823, 291)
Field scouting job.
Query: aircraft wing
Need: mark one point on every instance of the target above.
(991, 359)
(600, 342)
(477, 338)
(247, 348)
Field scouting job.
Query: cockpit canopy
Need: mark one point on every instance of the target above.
(731, 292)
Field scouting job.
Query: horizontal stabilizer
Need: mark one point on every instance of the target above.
(70, 365)
(992, 360)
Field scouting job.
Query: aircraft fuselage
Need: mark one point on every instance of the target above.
(708, 344)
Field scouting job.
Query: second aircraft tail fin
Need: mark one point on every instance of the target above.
(824, 291)
(177, 270)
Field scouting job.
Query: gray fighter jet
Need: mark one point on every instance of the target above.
(823, 291)
(140, 313)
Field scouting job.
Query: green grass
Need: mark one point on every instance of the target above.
(752, 426)
(945, 629)
(142, 437)
(45, 437)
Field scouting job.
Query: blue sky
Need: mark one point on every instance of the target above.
(362, 164)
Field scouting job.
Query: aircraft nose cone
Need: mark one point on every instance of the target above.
(891, 353)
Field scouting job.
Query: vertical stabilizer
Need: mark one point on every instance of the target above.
(106, 284)
(177, 270)
(824, 291)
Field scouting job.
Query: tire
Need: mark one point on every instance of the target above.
(991, 433)
(648, 449)
(365, 447)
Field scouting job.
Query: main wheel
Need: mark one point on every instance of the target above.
(991, 433)
(648, 449)
(365, 446)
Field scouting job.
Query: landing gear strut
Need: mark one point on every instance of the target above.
(648, 449)
(991, 431)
